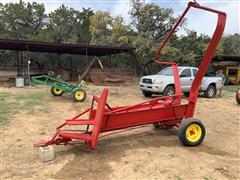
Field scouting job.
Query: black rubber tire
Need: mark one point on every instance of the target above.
(182, 132)
(54, 94)
(207, 92)
(167, 90)
(147, 94)
(75, 99)
(238, 97)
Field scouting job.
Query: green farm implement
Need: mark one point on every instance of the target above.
(60, 87)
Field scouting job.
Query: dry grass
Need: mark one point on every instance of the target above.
(11, 104)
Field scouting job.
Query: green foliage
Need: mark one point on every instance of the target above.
(22, 20)
(69, 25)
(192, 43)
(150, 20)
(82, 25)
(61, 24)
(100, 27)
(120, 32)
(231, 44)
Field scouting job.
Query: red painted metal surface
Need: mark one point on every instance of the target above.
(168, 110)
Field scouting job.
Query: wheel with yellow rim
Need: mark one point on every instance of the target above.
(79, 95)
(56, 92)
(191, 132)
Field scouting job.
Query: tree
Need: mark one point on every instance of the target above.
(101, 27)
(151, 24)
(121, 33)
(106, 29)
(82, 25)
(69, 25)
(2, 28)
(21, 20)
(61, 24)
(190, 46)
(231, 44)
(150, 20)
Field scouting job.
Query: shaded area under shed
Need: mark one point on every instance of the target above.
(229, 64)
(85, 53)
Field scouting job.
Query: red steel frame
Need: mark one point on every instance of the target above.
(167, 110)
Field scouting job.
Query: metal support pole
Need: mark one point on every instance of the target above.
(28, 65)
(28, 71)
(18, 64)
(21, 64)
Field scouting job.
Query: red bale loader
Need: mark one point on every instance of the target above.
(167, 111)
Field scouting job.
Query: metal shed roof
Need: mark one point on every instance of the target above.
(62, 48)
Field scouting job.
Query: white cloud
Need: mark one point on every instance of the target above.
(50, 5)
(198, 20)
(122, 8)
(233, 16)
(205, 22)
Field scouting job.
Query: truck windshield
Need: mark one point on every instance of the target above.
(167, 72)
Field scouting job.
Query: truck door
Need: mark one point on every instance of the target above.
(186, 79)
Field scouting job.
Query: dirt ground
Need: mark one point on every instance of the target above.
(142, 153)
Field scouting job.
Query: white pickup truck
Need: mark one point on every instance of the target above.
(163, 82)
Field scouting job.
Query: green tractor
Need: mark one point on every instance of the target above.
(60, 87)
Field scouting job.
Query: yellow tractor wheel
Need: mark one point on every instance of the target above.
(56, 91)
(191, 132)
(79, 95)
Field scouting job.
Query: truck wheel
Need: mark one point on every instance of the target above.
(169, 91)
(210, 91)
(191, 132)
(79, 95)
(147, 94)
(56, 91)
(238, 96)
